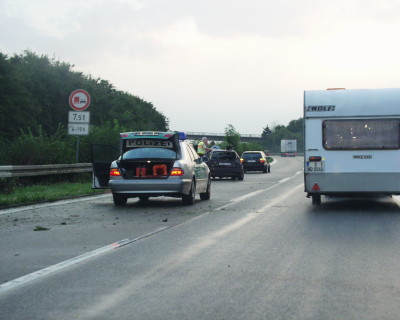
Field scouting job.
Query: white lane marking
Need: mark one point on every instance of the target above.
(289, 178)
(51, 204)
(212, 238)
(70, 262)
(253, 194)
(249, 195)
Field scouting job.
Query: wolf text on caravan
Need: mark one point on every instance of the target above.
(320, 108)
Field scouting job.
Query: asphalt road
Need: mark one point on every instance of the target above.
(256, 250)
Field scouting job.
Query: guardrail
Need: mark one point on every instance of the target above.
(43, 170)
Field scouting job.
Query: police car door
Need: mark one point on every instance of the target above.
(102, 157)
(200, 170)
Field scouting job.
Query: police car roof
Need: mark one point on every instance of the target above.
(151, 135)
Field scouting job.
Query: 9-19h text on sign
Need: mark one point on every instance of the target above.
(79, 129)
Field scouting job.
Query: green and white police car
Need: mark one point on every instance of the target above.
(151, 164)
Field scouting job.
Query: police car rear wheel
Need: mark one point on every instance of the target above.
(189, 198)
(207, 194)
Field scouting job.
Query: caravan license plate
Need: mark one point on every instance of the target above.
(315, 167)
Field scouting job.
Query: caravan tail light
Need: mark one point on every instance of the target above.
(115, 173)
(314, 159)
(316, 187)
(177, 172)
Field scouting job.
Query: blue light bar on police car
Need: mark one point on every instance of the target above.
(182, 135)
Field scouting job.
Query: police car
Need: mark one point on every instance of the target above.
(151, 164)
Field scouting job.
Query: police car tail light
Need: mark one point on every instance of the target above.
(262, 160)
(115, 173)
(160, 170)
(314, 159)
(177, 172)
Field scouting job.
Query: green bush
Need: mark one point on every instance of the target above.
(37, 149)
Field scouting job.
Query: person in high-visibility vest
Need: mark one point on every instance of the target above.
(202, 147)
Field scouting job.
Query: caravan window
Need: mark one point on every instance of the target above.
(361, 134)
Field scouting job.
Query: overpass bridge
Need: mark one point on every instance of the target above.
(220, 136)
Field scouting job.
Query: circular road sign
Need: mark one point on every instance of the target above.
(79, 100)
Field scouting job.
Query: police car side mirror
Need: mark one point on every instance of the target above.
(204, 159)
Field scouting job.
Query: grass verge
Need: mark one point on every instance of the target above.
(38, 193)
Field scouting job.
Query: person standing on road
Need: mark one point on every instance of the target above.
(202, 147)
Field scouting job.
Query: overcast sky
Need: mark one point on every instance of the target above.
(209, 63)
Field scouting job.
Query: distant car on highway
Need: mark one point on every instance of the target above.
(255, 161)
(225, 163)
(151, 164)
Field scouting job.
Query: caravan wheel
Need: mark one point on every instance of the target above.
(316, 199)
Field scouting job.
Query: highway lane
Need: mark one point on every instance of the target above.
(77, 227)
(270, 255)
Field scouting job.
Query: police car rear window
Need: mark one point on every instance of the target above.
(149, 153)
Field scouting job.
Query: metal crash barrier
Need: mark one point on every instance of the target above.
(43, 170)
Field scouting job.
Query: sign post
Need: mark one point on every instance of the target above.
(78, 120)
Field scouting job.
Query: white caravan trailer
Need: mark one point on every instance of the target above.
(352, 142)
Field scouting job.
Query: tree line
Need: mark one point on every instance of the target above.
(34, 93)
(270, 137)
(34, 104)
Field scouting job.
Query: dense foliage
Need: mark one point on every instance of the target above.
(232, 137)
(34, 92)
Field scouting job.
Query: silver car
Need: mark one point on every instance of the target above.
(151, 164)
